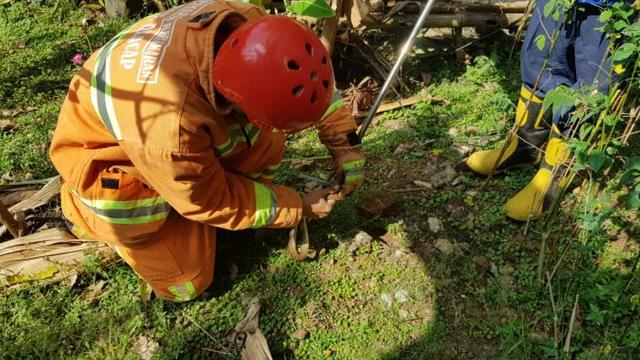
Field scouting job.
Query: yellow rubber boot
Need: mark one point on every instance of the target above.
(523, 147)
(539, 195)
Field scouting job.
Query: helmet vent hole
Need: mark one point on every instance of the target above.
(234, 43)
(309, 49)
(324, 60)
(325, 83)
(314, 76)
(297, 90)
(314, 97)
(293, 65)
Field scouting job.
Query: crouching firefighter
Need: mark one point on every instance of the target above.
(579, 58)
(175, 128)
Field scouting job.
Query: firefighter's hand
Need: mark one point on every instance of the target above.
(349, 162)
(319, 202)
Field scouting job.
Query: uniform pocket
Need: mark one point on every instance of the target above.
(125, 210)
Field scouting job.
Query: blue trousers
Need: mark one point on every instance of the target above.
(578, 58)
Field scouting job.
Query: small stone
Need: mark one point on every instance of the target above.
(396, 124)
(461, 149)
(402, 296)
(322, 252)
(435, 225)
(362, 239)
(375, 203)
(457, 181)
(145, 347)
(300, 334)
(443, 177)
(445, 246)
(482, 261)
(472, 130)
(453, 131)
(423, 184)
(6, 125)
(386, 300)
(483, 141)
(403, 148)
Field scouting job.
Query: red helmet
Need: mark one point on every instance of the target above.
(277, 71)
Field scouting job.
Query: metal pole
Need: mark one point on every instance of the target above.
(396, 67)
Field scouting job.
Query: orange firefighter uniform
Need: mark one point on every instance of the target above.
(154, 160)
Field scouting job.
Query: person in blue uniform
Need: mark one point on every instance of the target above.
(568, 50)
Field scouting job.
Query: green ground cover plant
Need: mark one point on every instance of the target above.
(478, 286)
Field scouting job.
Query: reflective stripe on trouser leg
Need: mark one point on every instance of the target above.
(183, 292)
(353, 171)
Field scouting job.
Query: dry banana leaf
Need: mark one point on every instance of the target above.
(48, 256)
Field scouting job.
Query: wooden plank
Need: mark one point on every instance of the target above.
(330, 29)
(15, 227)
(460, 19)
(402, 103)
(42, 197)
(13, 197)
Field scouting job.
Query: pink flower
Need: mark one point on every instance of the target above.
(77, 59)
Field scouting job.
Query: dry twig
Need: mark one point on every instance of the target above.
(555, 312)
(567, 341)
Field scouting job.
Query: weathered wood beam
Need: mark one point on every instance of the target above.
(463, 19)
(330, 28)
(15, 227)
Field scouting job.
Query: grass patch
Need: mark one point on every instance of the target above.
(381, 302)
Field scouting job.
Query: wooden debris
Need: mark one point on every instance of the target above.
(42, 197)
(572, 322)
(11, 113)
(330, 28)
(462, 19)
(359, 98)
(405, 102)
(16, 228)
(22, 185)
(48, 256)
(414, 7)
(358, 13)
(15, 197)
